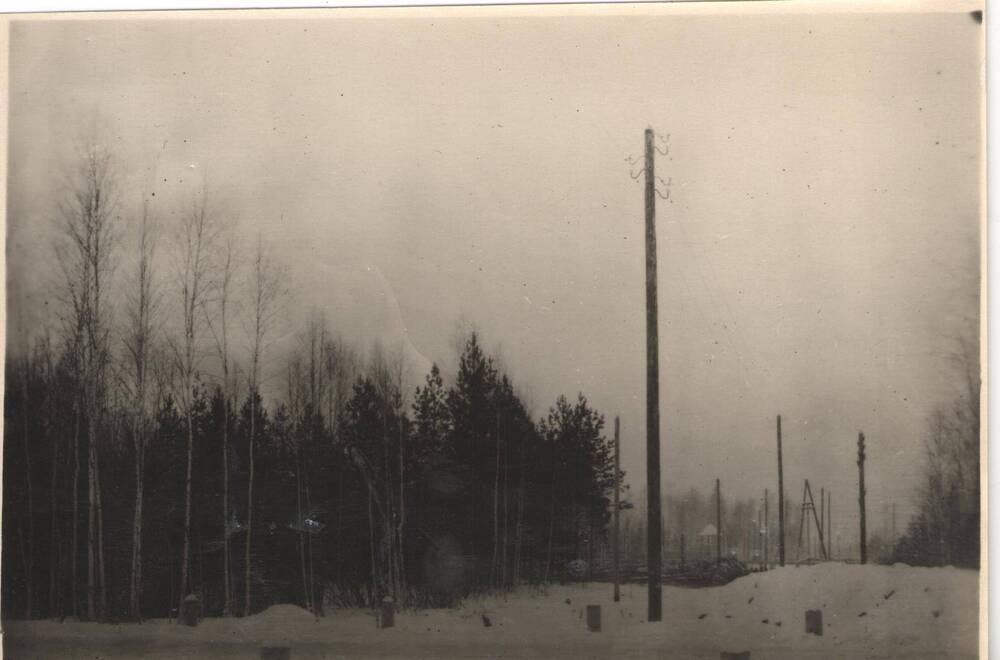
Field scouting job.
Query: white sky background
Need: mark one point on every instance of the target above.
(820, 257)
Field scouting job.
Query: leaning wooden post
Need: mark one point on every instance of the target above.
(817, 520)
(781, 502)
(617, 487)
(863, 536)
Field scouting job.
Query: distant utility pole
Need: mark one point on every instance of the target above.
(617, 486)
(682, 525)
(894, 527)
(767, 530)
(756, 537)
(781, 502)
(829, 525)
(718, 523)
(863, 536)
(822, 510)
(654, 556)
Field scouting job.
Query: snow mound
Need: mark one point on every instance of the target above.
(284, 614)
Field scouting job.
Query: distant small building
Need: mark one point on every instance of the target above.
(707, 539)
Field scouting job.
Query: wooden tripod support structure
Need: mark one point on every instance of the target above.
(809, 505)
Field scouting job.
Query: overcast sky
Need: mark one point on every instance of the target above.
(819, 256)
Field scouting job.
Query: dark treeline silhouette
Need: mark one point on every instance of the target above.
(153, 452)
(357, 496)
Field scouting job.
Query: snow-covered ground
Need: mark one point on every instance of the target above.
(868, 612)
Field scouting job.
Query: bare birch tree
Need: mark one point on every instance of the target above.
(223, 287)
(265, 291)
(298, 413)
(27, 368)
(339, 364)
(194, 248)
(50, 378)
(87, 217)
(141, 306)
(387, 372)
(307, 385)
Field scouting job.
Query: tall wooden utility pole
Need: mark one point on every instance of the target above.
(767, 531)
(718, 523)
(654, 531)
(781, 502)
(617, 486)
(863, 535)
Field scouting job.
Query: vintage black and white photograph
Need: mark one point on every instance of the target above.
(529, 331)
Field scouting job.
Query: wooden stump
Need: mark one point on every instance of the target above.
(814, 622)
(275, 653)
(594, 618)
(190, 610)
(386, 615)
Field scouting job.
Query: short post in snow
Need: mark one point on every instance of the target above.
(814, 622)
(386, 615)
(594, 618)
(190, 610)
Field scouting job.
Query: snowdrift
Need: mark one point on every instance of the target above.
(868, 612)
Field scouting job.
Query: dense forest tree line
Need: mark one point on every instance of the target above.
(687, 514)
(946, 529)
(157, 445)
